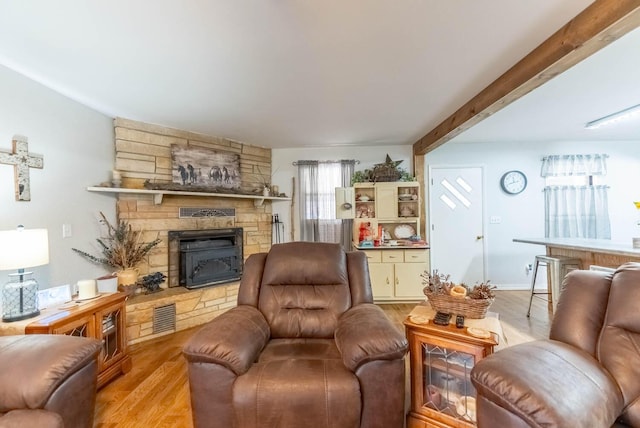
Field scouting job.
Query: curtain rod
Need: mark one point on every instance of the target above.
(328, 161)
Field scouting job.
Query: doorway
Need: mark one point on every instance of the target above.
(456, 223)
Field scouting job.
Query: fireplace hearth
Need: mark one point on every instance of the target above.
(205, 257)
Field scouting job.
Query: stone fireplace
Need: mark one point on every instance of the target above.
(143, 152)
(205, 257)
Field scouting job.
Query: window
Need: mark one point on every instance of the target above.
(576, 197)
(318, 181)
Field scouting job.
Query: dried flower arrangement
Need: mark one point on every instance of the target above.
(446, 296)
(122, 248)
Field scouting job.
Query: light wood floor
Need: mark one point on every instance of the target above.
(155, 393)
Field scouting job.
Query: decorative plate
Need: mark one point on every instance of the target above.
(404, 231)
(88, 298)
(418, 319)
(480, 333)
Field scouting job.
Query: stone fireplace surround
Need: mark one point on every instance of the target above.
(143, 152)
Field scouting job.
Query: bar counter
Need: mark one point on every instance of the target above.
(599, 252)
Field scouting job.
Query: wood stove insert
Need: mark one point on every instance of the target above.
(207, 257)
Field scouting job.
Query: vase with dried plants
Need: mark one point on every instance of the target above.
(445, 296)
(123, 249)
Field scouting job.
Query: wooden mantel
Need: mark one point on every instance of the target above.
(603, 22)
(158, 194)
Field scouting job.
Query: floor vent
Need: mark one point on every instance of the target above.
(206, 212)
(164, 318)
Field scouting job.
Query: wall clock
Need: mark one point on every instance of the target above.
(513, 182)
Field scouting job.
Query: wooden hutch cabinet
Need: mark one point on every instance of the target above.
(441, 359)
(102, 318)
(391, 212)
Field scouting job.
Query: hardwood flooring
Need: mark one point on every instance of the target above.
(155, 393)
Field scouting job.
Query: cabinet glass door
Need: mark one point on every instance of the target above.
(82, 327)
(446, 383)
(111, 332)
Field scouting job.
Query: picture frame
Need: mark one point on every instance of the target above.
(205, 168)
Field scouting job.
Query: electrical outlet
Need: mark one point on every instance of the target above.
(495, 219)
(66, 230)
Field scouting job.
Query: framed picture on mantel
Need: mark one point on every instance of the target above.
(197, 166)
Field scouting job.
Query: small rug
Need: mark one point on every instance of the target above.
(513, 336)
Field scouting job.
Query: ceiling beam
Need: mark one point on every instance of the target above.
(603, 22)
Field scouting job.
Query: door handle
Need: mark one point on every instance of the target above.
(479, 237)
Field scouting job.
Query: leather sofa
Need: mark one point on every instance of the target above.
(48, 381)
(585, 375)
(305, 347)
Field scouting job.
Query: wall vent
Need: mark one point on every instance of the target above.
(164, 318)
(189, 212)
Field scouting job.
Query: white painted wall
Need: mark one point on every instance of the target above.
(77, 144)
(78, 148)
(523, 215)
(283, 170)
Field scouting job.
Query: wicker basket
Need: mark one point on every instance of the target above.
(384, 173)
(469, 308)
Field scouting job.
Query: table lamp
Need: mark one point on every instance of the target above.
(19, 249)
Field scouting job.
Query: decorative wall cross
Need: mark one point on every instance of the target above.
(21, 161)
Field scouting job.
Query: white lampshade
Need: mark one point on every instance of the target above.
(23, 248)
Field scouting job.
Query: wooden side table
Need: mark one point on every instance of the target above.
(102, 318)
(441, 359)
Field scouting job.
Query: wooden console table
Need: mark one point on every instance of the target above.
(102, 318)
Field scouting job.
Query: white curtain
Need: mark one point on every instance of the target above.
(317, 207)
(577, 212)
(572, 211)
(574, 165)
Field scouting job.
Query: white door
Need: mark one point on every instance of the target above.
(456, 219)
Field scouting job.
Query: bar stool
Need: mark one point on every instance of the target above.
(558, 267)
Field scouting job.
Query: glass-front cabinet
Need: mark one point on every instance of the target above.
(441, 359)
(112, 334)
(102, 318)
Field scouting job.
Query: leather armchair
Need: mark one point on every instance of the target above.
(305, 347)
(48, 381)
(585, 375)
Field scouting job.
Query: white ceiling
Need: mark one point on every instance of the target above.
(605, 83)
(290, 73)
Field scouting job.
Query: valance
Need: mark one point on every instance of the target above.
(574, 165)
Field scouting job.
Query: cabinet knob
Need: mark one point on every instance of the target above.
(479, 237)
(387, 280)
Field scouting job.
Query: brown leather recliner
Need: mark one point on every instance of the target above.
(305, 347)
(48, 381)
(587, 374)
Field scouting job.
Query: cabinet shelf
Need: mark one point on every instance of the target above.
(258, 200)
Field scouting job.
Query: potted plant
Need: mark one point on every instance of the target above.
(122, 249)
